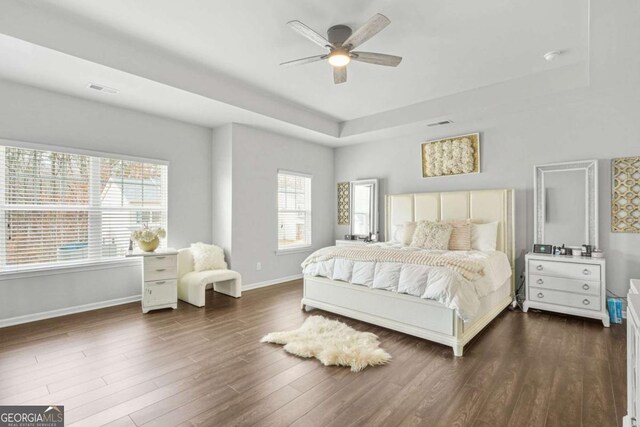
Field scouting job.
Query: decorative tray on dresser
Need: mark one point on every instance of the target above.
(567, 284)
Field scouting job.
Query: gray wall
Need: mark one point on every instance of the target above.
(256, 157)
(38, 116)
(510, 147)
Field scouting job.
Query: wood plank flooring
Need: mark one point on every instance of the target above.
(206, 366)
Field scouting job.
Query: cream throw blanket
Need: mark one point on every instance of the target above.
(468, 268)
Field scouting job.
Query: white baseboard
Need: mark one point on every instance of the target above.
(257, 285)
(65, 311)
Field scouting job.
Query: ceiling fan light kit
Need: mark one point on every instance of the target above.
(340, 43)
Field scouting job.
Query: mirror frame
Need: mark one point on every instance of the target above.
(374, 221)
(590, 168)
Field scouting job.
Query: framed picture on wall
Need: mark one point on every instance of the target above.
(451, 156)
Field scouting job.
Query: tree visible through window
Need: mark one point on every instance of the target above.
(294, 210)
(60, 207)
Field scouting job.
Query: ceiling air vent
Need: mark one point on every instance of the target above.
(444, 122)
(101, 88)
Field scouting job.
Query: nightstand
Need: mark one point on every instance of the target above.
(566, 284)
(159, 279)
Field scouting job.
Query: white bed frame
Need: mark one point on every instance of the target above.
(412, 315)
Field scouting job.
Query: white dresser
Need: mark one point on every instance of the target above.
(633, 361)
(159, 279)
(566, 284)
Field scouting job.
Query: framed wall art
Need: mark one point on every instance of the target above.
(343, 203)
(625, 195)
(451, 156)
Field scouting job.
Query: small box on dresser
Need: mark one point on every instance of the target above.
(159, 279)
(565, 284)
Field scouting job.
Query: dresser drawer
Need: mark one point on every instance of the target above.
(159, 268)
(585, 302)
(567, 270)
(585, 287)
(159, 261)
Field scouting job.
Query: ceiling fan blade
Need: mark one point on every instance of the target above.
(310, 34)
(306, 60)
(372, 27)
(377, 58)
(339, 74)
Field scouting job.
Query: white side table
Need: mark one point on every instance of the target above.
(159, 279)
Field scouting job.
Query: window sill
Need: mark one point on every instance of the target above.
(297, 250)
(69, 268)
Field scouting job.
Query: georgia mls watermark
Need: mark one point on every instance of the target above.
(32, 416)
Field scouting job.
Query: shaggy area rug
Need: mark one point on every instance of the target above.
(332, 343)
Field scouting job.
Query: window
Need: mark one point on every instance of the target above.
(58, 208)
(294, 210)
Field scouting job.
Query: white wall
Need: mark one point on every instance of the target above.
(222, 187)
(257, 155)
(38, 116)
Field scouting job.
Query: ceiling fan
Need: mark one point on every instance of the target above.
(341, 42)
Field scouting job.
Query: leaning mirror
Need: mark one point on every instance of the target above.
(566, 203)
(364, 208)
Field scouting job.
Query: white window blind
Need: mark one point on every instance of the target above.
(58, 208)
(294, 210)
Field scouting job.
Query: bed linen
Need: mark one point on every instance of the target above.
(434, 282)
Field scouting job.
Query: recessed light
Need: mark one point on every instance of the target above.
(551, 56)
(102, 88)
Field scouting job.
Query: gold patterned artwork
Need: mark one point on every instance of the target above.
(625, 195)
(343, 203)
(451, 156)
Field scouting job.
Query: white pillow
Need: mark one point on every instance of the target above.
(397, 233)
(484, 236)
(207, 257)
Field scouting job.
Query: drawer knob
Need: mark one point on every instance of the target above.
(540, 281)
(160, 257)
(161, 282)
(586, 301)
(585, 287)
(539, 268)
(540, 295)
(160, 269)
(586, 272)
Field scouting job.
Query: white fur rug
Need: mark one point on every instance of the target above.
(332, 343)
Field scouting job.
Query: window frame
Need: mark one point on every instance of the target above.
(309, 215)
(38, 269)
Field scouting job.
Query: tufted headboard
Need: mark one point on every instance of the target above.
(480, 206)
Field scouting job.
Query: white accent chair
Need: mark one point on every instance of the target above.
(192, 284)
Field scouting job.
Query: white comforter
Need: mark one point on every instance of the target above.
(435, 283)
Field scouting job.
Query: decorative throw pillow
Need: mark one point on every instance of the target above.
(207, 257)
(484, 236)
(432, 235)
(409, 231)
(460, 235)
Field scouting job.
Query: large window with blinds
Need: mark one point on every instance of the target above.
(294, 210)
(60, 208)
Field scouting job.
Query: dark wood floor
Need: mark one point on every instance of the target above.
(206, 367)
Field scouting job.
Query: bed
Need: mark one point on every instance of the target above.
(425, 318)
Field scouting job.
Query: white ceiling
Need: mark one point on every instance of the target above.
(449, 47)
